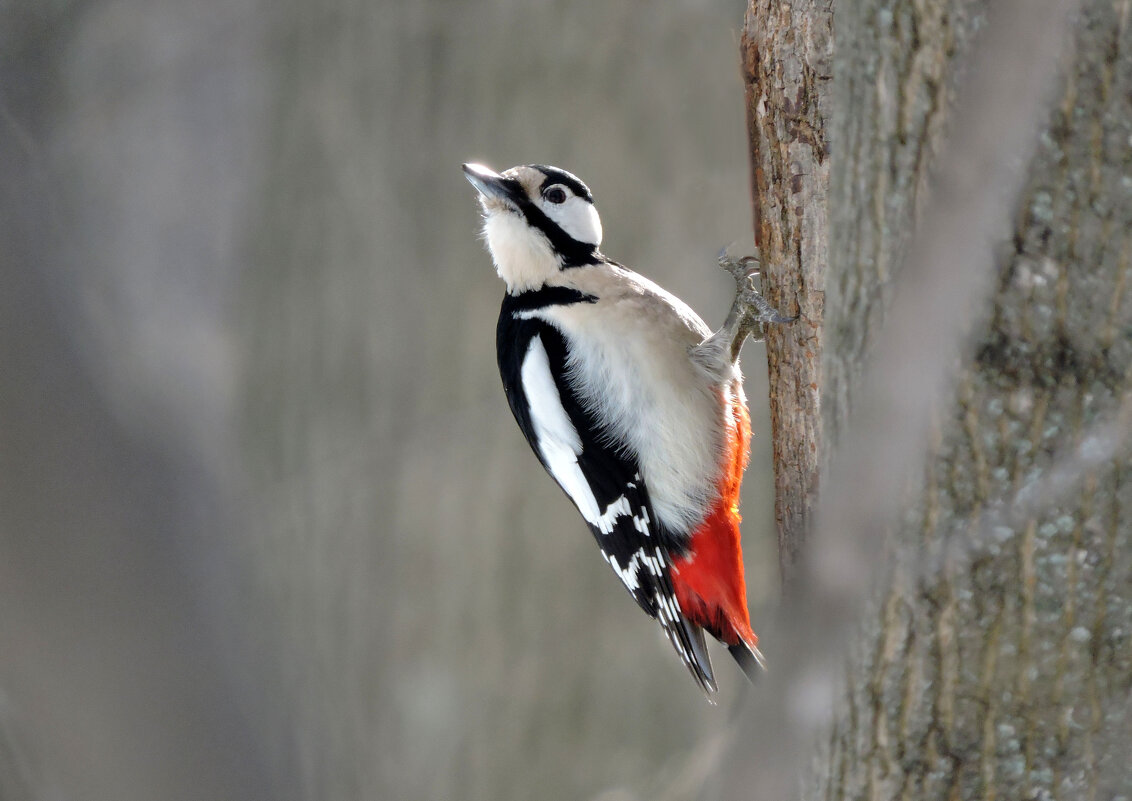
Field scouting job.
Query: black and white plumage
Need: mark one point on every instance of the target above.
(602, 480)
(630, 404)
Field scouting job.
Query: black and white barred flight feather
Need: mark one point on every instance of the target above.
(602, 481)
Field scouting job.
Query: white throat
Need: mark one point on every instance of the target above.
(522, 255)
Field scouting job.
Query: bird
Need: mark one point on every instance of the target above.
(632, 405)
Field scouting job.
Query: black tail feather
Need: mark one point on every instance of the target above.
(700, 662)
(688, 640)
(750, 659)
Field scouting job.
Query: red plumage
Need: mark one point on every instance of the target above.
(708, 579)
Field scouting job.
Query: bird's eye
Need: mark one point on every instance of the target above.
(555, 194)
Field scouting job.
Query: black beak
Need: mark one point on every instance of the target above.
(488, 182)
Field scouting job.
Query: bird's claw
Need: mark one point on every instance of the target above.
(750, 312)
(753, 307)
(740, 268)
(758, 309)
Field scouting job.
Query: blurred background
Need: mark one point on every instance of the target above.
(267, 527)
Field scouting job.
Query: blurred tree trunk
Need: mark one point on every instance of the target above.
(989, 666)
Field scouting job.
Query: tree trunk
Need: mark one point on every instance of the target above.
(1001, 665)
(786, 68)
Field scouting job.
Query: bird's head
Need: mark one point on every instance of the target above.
(537, 220)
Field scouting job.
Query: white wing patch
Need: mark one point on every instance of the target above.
(558, 441)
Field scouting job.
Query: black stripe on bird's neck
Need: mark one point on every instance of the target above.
(541, 298)
(569, 250)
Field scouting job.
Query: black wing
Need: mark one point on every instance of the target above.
(604, 483)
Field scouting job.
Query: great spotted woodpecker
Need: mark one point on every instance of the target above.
(631, 404)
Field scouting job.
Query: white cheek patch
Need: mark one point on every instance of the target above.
(577, 218)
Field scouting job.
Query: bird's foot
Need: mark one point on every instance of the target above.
(750, 311)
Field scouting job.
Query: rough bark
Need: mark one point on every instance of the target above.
(787, 49)
(998, 663)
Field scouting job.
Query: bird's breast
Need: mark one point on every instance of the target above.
(630, 367)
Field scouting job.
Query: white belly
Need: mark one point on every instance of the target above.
(630, 363)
